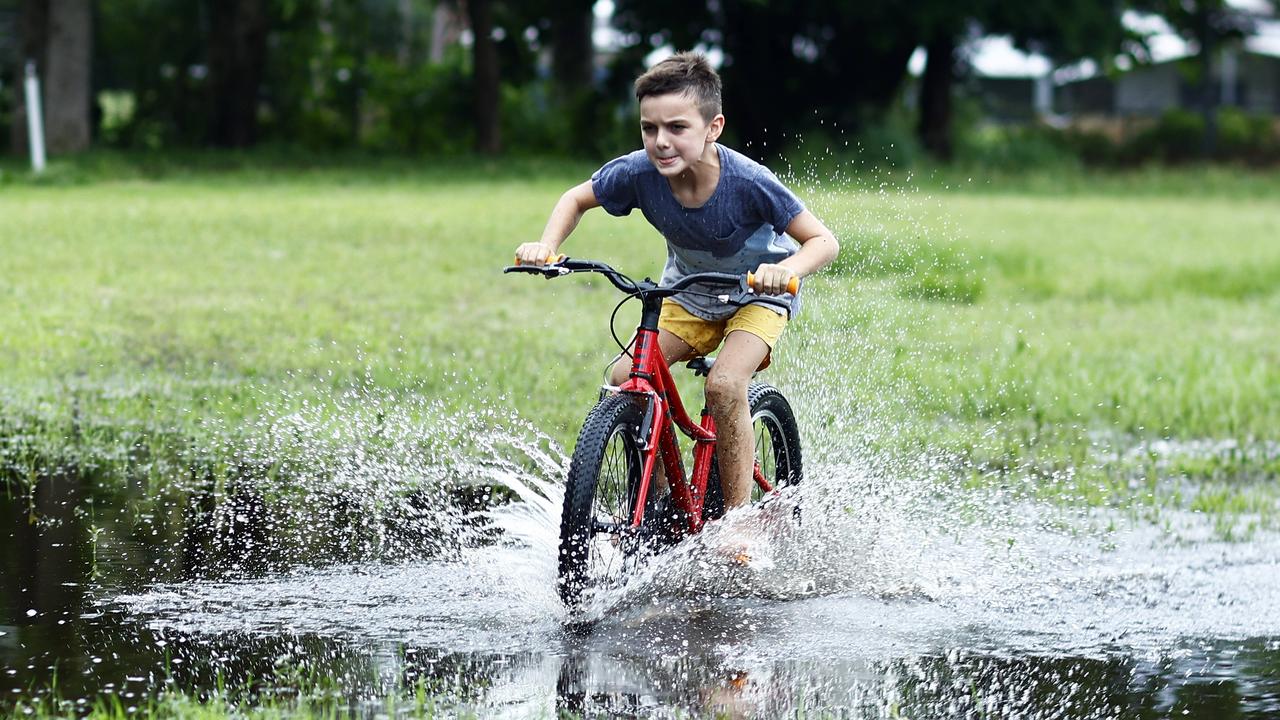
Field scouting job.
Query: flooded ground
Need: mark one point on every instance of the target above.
(892, 597)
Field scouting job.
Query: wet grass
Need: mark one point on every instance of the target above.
(273, 703)
(152, 313)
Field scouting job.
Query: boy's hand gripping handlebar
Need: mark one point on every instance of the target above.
(793, 285)
(550, 259)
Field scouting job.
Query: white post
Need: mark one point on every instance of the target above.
(1042, 94)
(35, 120)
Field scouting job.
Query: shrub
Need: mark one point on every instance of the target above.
(1092, 147)
(1012, 147)
(421, 108)
(1247, 138)
(1177, 136)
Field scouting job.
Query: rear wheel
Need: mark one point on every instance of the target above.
(777, 448)
(600, 498)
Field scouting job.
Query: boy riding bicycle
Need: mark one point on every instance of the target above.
(719, 211)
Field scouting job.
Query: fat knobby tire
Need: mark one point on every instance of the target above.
(624, 414)
(765, 398)
(762, 398)
(617, 413)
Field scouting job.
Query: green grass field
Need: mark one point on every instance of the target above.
(1113, 334)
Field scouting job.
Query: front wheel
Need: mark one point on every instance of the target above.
(777, 448)
(600, 497)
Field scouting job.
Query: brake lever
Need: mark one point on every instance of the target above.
(756, 300)
(547, 271)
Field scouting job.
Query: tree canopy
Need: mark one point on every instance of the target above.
(493, 75)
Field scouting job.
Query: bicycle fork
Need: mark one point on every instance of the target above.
(657, 438)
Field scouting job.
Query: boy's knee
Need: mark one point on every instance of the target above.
(724, 390)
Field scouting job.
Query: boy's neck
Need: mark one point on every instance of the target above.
(695, 186)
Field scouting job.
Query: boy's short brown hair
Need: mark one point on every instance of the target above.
(684, 73)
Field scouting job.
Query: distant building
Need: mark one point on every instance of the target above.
(1012, 86)
(1241, 78)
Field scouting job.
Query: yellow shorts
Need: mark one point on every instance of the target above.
(704, 336)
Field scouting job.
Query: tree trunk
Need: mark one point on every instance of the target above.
(935, 97)
(237, 50)
(1208, 98)
(485, 77)
(58, 36)
(67, 80)
(572, 67)
(33, 23)
(572, 52)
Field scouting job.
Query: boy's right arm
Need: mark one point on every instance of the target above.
(564, 218)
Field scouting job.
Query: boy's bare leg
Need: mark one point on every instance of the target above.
(727, 398)
(674, 350)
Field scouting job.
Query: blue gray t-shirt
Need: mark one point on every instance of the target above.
(741, 225)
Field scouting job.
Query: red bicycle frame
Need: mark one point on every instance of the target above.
(651, 377)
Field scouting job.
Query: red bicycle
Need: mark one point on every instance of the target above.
(612, 517)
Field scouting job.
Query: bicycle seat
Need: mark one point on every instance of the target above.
(701, 366)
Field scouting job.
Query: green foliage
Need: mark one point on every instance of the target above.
(1247, 138)
(890, 143)
(419, 109)
(1176, 137)
(1014, 147)
(1091, 147)
(152, 50)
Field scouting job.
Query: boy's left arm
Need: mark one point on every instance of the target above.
(818, 247)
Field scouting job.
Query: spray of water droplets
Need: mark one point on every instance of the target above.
(896, 586)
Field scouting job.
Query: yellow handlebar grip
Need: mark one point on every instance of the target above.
(793, 285)
(550, 259)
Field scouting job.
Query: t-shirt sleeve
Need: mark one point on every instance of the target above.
(614, 186)
(778, 205)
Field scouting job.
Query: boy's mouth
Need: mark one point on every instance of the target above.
(668, 161)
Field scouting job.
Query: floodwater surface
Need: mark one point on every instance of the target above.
(894, 595)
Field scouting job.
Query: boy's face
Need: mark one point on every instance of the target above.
(675, 134)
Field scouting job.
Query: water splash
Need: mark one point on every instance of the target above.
(900, 588)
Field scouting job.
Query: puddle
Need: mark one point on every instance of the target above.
(884, 601)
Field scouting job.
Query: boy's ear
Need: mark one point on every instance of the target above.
(715, 127)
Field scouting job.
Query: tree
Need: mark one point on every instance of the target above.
(934, 98)
(486, 78)
(58, 36)
(237, 52)
(573, 65)
(787, 63)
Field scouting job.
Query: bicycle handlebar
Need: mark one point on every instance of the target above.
(561, 265)
(793, 285)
